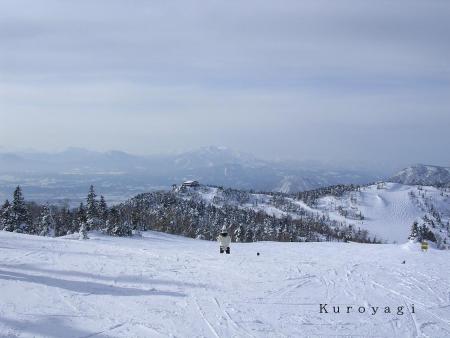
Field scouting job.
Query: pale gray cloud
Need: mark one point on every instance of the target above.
(307, 79)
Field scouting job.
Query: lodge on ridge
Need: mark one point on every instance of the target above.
(190, 184)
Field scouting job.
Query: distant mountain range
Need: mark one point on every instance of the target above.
(119, 175)
(421, 174)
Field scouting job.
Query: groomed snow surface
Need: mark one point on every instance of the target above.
(388, 212)
(168, 286)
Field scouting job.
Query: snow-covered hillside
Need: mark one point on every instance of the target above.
(423, 175)
(385, 210)
(168, 286)
(389, 209)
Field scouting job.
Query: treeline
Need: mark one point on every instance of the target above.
(310, 197)
(173, 213)
(170, 212)
(421, 233)
(431, 227)
(46, 220)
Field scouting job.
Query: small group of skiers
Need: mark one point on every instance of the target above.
(224, 240)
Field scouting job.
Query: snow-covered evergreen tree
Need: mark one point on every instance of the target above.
(6, 217)
(200, 233)
(121, 230)
(81, 215)
(413, 236)
(113, 219)
(239, 233)
(102, 211)
(83, 231)
(115, 227)
(426, 234)
(92, 214)
(20, 213)
(64, 222)
(46, 223)
(249, 235)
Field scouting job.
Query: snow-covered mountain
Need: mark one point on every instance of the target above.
(388, 210)
(421, 174)
(385, 210)
(162, 285)
(66, 175)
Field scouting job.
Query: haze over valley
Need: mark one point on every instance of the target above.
(66, 175)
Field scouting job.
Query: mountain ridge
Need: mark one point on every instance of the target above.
(423, 174)
(121, 174)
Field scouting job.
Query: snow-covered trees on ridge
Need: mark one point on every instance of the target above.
(188, 215)
(201, 213)
(169, 212)
(45, 220)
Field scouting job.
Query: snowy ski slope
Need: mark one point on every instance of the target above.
(168, 286)
(388, 212)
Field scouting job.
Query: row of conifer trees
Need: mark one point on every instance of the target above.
(46, 220)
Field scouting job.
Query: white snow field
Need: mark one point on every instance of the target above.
(388, 212)
(169, 286)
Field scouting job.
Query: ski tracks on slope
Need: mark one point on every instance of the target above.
(205, 320)
(301, 279)
(236, 325)
(418, 328)
(224, 325)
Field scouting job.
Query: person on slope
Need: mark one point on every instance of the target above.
(224, 240)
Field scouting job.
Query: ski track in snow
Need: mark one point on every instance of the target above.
(168, 286)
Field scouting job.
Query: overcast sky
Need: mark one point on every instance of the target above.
(312, 79)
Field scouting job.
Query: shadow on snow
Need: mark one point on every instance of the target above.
(85, 287)
(47, 327)
(121, 278)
